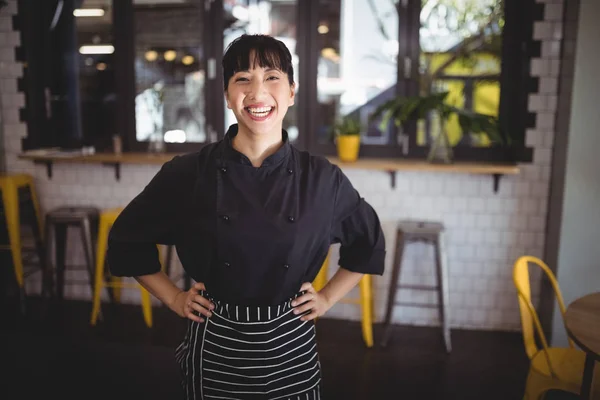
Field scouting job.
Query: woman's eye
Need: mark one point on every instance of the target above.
(272, 78)
(241, 79)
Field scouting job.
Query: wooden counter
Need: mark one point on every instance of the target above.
(388, 165)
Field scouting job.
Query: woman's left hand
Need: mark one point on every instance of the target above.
(317, 303)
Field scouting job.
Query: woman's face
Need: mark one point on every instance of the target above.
(259, 98)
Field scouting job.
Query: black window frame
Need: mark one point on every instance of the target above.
(516, 82)
(211, 20)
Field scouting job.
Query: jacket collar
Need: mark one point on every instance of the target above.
(232, 154)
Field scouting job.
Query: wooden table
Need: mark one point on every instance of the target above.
(582, 320)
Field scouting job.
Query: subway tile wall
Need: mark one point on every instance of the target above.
(486, 231)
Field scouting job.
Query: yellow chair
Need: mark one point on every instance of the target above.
(107, 219)
(550, 367)
(10, 185)
(365, 300)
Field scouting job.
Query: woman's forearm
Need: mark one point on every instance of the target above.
(160, 286)
(340, 284)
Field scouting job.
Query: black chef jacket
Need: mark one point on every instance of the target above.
(252, 235)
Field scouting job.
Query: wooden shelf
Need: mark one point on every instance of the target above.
(496, 170)
(424, 166)
(388, 165)
(113, 160)
(101, 158)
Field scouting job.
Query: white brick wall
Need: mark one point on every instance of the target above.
(486, 231)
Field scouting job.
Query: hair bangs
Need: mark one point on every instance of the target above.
(252, 51)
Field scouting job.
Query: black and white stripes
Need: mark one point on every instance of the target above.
(250, 353)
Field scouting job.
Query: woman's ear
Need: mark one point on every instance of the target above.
(292, 94)
(227, 99)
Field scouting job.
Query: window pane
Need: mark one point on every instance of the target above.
(169, 102)
(275, 18)
(461, 54)
(97, 87)
(357, 70)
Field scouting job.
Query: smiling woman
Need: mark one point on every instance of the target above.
(253, 223)
(275, 18)
(259, 87)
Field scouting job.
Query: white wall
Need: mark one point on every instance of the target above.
(486, 231)
(579, 253)
(10, 100)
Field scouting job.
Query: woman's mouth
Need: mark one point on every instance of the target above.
(259, 113)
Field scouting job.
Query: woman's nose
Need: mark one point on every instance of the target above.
(257, 89)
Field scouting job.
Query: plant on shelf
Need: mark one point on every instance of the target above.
(403, 110)
(347, 132)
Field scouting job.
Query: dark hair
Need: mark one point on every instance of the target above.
(268, 53)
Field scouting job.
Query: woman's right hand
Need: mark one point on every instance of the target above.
(189, 304)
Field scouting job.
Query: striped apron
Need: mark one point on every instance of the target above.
(241, 352)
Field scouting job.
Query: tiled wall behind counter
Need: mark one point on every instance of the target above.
(486, 230)
(485, 233)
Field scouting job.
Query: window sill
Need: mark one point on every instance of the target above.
(387, 165)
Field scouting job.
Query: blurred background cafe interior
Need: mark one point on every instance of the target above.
(470, 126)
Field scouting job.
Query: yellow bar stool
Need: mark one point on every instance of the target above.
(107, 219)
(365, 300)
(14, 187)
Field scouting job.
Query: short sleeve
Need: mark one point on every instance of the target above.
(357, 228)
(154, 216)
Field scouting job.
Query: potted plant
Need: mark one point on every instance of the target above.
(403, 110)
(347, 132)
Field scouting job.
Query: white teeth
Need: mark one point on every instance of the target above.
(260, 110)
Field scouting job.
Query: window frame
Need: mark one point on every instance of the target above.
(211, 20)
(514, 82)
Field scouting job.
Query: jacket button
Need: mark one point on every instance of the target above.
(290, 171)
(291, 219)
(225, 217)
(223, 169)
(286, 266)
(226, 264)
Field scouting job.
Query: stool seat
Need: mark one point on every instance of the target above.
(111, 214)
(17, 179)
(424, 228)
(431, 232)
(72, 214)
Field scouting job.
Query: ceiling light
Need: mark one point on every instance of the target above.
(151, 55)
(88, 12)
(323, 29)
(101, 66)
(187, 60)
(170, 55)
(97, 49)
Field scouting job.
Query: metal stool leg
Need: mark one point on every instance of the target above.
(400, 242)
(60, 231)
(88, 249)
(36, 229)
(443, 298)
(50, 239)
